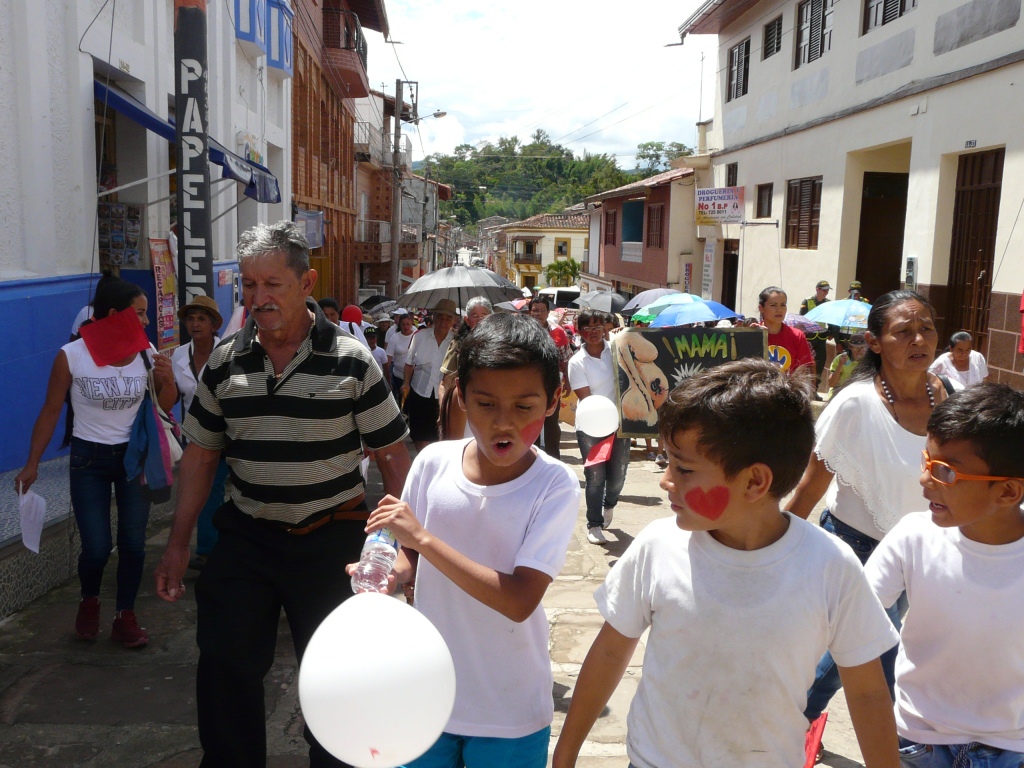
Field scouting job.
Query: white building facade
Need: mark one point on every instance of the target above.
(82, 81)
(876, 140)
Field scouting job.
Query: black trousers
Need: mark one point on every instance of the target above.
(818, 346)
(255, 570)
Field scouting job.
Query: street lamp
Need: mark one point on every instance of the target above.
(396, 189)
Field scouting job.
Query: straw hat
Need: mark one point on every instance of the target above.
(444, 307)
(206, 304)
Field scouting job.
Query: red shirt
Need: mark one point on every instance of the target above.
(789, 349)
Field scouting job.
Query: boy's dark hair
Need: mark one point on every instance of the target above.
(746, 412)
(541, 299)
(328, 303)
(991, 417)
(588, 317)
(509, 341)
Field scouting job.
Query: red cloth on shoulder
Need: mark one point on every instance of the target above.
(114, 337)
(558, 336)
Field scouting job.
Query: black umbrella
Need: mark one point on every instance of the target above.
(605, 301)
(373, 301)
(459, 284)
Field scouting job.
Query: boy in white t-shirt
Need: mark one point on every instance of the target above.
(378, 354)
(484, 525)
(960, 668)
(740, 598)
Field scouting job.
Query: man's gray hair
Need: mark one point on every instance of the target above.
(285, 237)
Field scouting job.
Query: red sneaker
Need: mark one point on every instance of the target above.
(127, 630)
(87, 623)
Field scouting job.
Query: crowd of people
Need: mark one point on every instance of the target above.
(755, 617)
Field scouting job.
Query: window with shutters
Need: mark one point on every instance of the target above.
(610, 222)
(880, 12)
(814, 30)
(655, 219)
(732, 175)
(772, 38)
(739, 70)
(803, 210)
(764, 201)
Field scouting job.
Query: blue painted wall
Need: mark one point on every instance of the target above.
(36, 316)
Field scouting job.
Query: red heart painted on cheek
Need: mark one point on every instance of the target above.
(710, 504)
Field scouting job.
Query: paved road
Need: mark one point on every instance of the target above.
(64, 702)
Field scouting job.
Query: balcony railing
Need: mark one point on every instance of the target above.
(526, 258)
(371, 231)
(343, 31)
(633, 252)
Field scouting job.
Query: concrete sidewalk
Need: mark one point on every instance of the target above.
(65, 702)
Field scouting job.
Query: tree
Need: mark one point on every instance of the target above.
(562, 272)
(654, 157)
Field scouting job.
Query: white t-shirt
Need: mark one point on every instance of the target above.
(977, 368)
(734, 640)
(876, 462)
(598, 373)
(398, 350)
(960, 668)
(381, 357)
(356, 330)
(105, 398)
(389, 334)
(183, 377)
(426, 355)
(502, 668)
(83, 314)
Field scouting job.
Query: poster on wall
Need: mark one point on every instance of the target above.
(650, 363)
(120, 232)
(166, 295)
(708, 275)
(719, 205)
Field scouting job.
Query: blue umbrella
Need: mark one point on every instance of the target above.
(684, 314)
(648, 297)
(846, 313)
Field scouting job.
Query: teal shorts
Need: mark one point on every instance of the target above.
(453, 751)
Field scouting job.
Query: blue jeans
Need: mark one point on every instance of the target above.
(454, 751)
(206, 531)
(94, 468)
(826, 676)
(605, 480)
(971, 755)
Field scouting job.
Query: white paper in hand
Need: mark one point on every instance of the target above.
(32, 507)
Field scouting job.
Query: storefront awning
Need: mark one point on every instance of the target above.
(260, 184)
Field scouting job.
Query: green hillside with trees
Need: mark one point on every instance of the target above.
(517, 180)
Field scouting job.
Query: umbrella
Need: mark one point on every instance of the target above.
(385, 307)
(373, 302)
(801, 322)
(846, 313)
(459, 284)
(656, 307)
(605, 301)
(512, 306)
(684, 314)
(648, 297)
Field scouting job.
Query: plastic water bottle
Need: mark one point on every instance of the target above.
(375, 562)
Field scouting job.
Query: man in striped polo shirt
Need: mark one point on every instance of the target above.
(289, 399)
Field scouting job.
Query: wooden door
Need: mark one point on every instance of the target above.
(730, 272)
(979, 181)
(883, 214)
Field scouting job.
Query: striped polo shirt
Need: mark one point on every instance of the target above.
(293, 444)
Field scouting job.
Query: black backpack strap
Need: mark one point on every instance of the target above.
(947, 384)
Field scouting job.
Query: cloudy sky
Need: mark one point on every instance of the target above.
(594, 79)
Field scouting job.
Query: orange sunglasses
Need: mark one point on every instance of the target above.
(944, 474)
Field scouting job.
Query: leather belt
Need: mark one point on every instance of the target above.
(344, 511)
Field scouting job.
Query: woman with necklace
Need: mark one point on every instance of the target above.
(106, 398)
(202, 320)
(869, 439)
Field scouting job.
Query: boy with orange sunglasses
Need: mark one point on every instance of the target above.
(960, 668)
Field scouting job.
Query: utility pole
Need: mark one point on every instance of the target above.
(423, 228)
(396, 198)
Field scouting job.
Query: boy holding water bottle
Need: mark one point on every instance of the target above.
(484, 524)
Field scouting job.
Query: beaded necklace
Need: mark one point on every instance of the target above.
(892, 400)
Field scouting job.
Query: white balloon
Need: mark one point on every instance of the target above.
(370, 657)
(597, 416)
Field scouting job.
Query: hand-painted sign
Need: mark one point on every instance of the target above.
(652, 362)
(719, 205)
